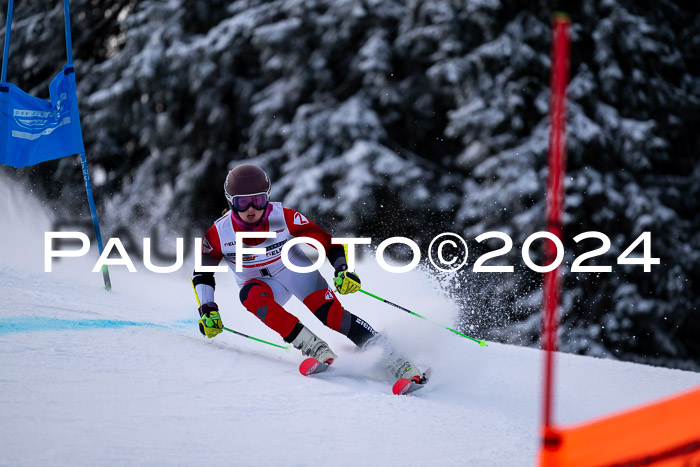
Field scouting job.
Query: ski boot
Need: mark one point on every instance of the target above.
(314, 347)
(397, 365)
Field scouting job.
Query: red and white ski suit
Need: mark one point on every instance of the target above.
(267, 284)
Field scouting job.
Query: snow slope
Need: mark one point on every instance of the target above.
(124, 377)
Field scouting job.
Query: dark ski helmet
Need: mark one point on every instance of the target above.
(247, 180)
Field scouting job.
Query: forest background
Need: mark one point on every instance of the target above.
(378, 118)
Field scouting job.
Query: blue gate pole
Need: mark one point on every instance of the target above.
(95, 224)
(66, 20)
(83, 160)
(6, 51)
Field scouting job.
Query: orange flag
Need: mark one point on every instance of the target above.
(661, 434)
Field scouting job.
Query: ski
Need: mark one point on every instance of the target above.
(311, 366)
(402, 386)
(405, 386)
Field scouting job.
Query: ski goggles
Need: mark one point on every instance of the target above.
(243, 202)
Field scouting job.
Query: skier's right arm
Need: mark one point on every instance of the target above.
(210, 323)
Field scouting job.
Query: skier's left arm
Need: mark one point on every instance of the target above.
(300, 226)
(210, 323)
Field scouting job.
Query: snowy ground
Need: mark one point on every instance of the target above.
(124, 377)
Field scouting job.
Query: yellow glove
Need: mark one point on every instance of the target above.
(347, 282)
(210, 323)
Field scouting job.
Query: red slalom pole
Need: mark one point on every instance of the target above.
(555, 198)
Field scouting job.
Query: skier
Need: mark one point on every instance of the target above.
(266, 284)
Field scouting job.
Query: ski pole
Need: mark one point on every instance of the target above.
(481, 343)
(285, 347)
